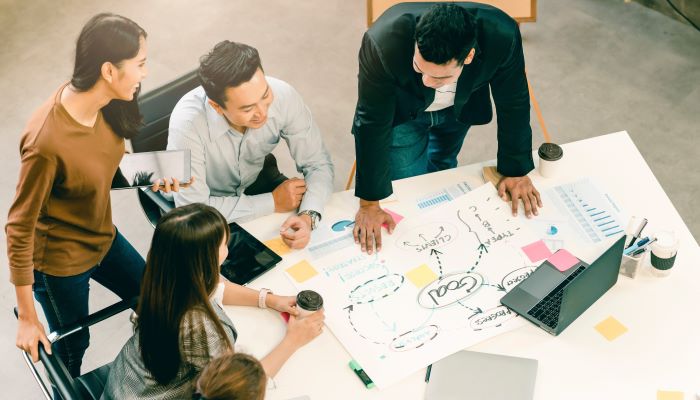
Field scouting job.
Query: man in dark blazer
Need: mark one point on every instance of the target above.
(426, 71)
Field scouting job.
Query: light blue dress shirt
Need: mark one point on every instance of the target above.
(225, 162)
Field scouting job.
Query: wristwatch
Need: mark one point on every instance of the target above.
(314, 215)
(262, 297)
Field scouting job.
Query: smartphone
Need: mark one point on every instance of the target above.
(143, 169)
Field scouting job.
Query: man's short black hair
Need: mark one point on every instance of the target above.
(228, 64)
(444, 33)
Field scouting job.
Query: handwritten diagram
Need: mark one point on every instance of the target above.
(433, 292)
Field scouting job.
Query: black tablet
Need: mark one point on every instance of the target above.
(143, 169)
(248, 258)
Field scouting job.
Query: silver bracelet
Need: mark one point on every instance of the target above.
(262, 297)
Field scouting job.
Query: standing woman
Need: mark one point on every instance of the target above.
(59, 230)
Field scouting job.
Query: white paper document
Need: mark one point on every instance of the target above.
(433, 290)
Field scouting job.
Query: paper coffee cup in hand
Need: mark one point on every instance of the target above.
(308, 302)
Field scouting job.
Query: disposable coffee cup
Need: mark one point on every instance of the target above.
(550, 159)
(308, 302)
(663, 253)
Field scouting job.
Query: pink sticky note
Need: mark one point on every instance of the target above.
(563, 260)
(537, 251)
(397, 218)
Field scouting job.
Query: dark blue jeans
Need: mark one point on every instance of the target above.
(65, 299)
(429, 143)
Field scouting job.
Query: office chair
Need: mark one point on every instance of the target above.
(88, 386)
(156, 107)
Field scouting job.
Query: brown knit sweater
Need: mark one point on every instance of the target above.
(60, 221)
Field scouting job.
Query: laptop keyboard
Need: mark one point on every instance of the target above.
(547, 310)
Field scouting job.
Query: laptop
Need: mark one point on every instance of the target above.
(482, 376)
(552, 299)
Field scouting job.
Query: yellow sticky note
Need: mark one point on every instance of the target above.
(665, 395)
(611, 328)
(421, 276)
(302, 271)
(278, 246)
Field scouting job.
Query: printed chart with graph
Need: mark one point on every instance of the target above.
(594, 213)
(434, 289)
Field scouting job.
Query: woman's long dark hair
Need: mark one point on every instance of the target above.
(182, 270)
(109, 38)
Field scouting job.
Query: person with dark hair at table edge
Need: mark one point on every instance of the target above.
(231, 124)
(426, 74)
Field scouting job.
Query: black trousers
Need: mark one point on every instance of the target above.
(269, 178)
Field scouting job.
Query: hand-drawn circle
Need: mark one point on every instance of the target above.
(423, 238)
(514, 277)
(491, 318)
(450, 289)
(415, 338)
(375, 289)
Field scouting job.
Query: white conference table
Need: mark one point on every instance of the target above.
(660, 351)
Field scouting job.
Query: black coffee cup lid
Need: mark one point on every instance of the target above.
(309, 300)
(550, 151)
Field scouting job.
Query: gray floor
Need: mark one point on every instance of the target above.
(596, 67)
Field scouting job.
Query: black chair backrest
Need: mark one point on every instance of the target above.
(156, 107)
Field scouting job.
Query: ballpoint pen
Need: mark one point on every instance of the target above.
(631, 249)
(643, 248)
(639, 231)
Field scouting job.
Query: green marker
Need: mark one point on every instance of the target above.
(366, 380)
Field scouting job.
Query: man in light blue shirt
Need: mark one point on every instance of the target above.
(231, 124)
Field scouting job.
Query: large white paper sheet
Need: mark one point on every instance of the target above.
(433, 290)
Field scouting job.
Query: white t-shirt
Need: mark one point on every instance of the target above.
(444, 97)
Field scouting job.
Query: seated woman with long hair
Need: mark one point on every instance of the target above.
(181, 325)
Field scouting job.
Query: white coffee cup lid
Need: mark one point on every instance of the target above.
(666, 245)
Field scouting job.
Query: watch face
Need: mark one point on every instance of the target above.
(314, 216)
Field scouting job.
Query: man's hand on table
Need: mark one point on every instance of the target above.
(368, 225)
(296, 231)
(288, 194)
(520, 188)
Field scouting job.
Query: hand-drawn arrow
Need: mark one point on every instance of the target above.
(498, 287)
(442, 229)
(388, 327)
(481, 249)
(436, 254)
(423, 237)
(476, 311)
(409, 244)
(350, 308)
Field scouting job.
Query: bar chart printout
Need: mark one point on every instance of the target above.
(594, 212)
(442, 196)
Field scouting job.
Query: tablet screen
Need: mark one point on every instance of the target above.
(247, 257)
(143, 169)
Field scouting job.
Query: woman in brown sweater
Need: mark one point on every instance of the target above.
(59, 230)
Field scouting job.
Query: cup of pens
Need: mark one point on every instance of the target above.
(635, 248)
(633, 257)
